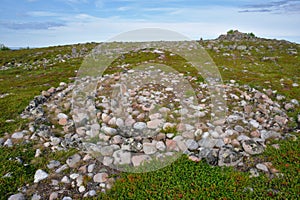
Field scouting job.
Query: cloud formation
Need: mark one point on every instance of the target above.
(30, 25)
(283, 6)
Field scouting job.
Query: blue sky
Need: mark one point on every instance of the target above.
(37, 23)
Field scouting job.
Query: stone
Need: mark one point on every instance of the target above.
(81, 189)
(160, 145)
(239, 128)
(171, 145)
(73, 160)
(67, 198)
(120, 122)
(262, 167)
(255, 134)
(194, 159)
(254, 123)
(251, 147)
(253, 173)
(121, 157)
(265, 135)
(107, 161)
(74, 176)
(208, 142)
(90, 168)
(100, 177)
(149, 148)
(140, 159)
(18, 196)
(8, 143)
(36, 197)
(17, 135)
(280, 120)
(109, 131)
(62, 168)
(65, 179)
(53, 196)
(62, 116)
(40, 175)
(62, 121)
(229, 157)
(106, 151)
(154, 124)
(140, 126)
(191, 144)
(53, 163)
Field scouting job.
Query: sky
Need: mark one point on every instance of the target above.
(38, 23)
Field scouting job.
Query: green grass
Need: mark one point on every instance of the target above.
(183, 178)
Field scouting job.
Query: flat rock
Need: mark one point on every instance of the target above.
(154, 124)
(17, 135)
(100, 177)
(252, 147)
(262, 167)
(149, 148)
(121, 157)
(73, 160)
(140, 159)
(18, 196)
(40, 175)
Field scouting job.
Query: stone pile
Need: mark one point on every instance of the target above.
(140, 120)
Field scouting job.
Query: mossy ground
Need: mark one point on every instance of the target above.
(183, 178)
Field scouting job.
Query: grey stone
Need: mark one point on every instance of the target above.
(229, 157)
(254, 173)
(262, 167)
(251, 147)
(140, 126)
(53, 196)
(239, 128)
(40, 175)
(191, 144)
(109, 131)
(254, 123)
(36, 197)
(65, 179)
(62, 116)
(149, 148)
(73, 160)
(67, 198)
(53, 163)
(160, 145)
(17, 135)
(100, 177)
(8, 143)
(265, 135)
(121, 157)
(62, 168)
(90, 168)
(18, 196)
(208, 142)
(140, 159)
(107, 150)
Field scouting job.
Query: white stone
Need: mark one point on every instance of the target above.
(140, 159)
(149, 148)
(17, 135)
(121, 157)
(160, 146)
(40, 175)
(65, 179)
(100, 177)
(81, 189)
(62, 116)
